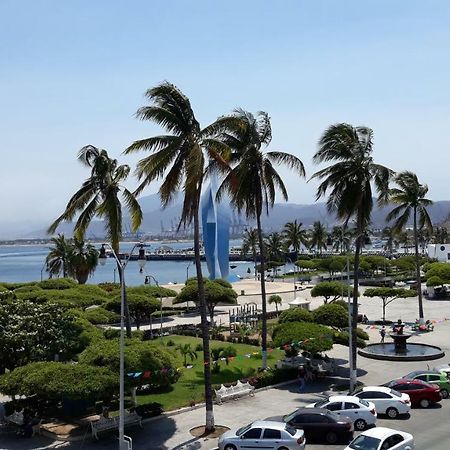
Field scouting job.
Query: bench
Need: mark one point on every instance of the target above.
(104, 424)
(234, 392)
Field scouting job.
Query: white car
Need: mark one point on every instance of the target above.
(386, 400)
(361, 412)
(381, 438)
(263, 434)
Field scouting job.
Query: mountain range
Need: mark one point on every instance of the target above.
(162, 222)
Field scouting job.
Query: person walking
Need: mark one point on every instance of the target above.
(382, 334)
(301, 378)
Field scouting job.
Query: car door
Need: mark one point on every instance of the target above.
(271, 439)
(251, 439)
(394, 442)
(351, 410)
(381, 400)
(434, 379)
(336, 407)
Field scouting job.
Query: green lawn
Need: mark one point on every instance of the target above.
(190, 387)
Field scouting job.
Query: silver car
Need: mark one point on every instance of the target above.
(263, 434)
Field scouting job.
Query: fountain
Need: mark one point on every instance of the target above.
(399, 350)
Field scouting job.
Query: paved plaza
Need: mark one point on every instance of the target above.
(429, 427)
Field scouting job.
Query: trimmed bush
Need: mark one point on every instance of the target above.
(341, 337)
(58, 283)
(101, 316)
(331, 315)
(152, 291)
(295, 315)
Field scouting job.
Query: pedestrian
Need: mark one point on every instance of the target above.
(301, 378)
(365, 320)
(382, 334)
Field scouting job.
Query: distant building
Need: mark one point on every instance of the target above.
(441, 252)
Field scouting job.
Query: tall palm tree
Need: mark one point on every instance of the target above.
(99, 196)
(274, 247)
(410, 198)
(318, 237)
(178, 157)
(441, 235)
(57, 260)
(295, 236)
(83, 260)
(349, 180)
(252, 180)
(341, 239)
(250, 245)
(391, 239)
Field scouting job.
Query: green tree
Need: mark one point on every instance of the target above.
(83, 260)
(318, 238)
(388, 295)
(275, 300)
(216, 291)
(440, 270)
(274, 247)
(341, 238)
(179, 158)
(295, 315)
(253, 180)
(349, 179)
(329, 290)
(295, 235)
(250, 245)
(99, 196)
(332, 315)
(411, 200)
(186, 351)
(58, 257)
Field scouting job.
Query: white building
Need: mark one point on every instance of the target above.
(439, 251)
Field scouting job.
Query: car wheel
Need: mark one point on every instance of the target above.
(392, 413)
(424, 403)
(360, 425)
(229, 447)
(331, 437)
(444, 393)
(283, 448)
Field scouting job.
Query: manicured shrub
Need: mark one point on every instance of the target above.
(58, 283)
(272, 376)
(151, 291)
(295, 315)
(100, 315)
(331, 315)
(434, 281)
(342, 303)
(341, 337)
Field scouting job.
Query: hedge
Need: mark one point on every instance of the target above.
(295, 315)
(331, 315)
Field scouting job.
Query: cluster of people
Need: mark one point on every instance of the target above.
(30, 419)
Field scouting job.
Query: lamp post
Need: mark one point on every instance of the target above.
(124, 441)
(45, 266)
(295, 275)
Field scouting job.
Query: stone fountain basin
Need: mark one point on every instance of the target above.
(414, 352)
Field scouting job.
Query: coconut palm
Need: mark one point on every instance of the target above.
(341, 239)
(99, 196)
(391, 239)
(57, 260)
(349, 179)
(295, 236)
(250, 245)
(83, 260)
(186, 352)
(274, 246)
(275, 300)
(252, 180)
(178, 158)
(318, 237)
(409, 195)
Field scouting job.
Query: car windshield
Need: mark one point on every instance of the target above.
(364, 402)
(289, 417)
(321, 403)
(395, 393)
(243, 429)
(365, 443)
(291, 430)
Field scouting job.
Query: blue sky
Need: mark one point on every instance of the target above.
(74, 73)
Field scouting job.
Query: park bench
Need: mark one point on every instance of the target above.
(104, 424)
(234, 392)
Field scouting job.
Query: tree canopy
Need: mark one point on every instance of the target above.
(388, 295)
(329, 290)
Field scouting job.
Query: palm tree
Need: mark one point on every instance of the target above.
(252, 180)
(250, 244)
(99, 197)
(295, 236)
(349, 180)
(179, 158)
(341, 239)
(83, 260)
(410, 198)
(275, 300)
(318, 238)
(57, 260)
(440, 235)
(392, 239)
(274, 246)
(186, 351)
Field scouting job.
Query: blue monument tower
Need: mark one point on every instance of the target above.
(216, 233)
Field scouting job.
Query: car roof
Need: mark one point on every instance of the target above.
(376, 388)
(312, 410)
(343, 398)
(421, 372)
(382, 432)
(269, 424)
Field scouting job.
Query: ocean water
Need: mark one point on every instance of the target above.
(27, 263)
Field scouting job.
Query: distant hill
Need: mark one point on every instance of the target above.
(155, 220)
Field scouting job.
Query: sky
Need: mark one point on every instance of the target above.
(74, 73)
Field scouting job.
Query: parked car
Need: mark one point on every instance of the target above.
(386, 400)
(432, 377)
(263, 434)
(319, 424)
(361, 412)
(443, 368)
(381, 438)
(420, 393)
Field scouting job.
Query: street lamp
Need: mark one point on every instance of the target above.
(124, 441)
(160, 300)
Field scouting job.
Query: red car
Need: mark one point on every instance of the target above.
(420, 393)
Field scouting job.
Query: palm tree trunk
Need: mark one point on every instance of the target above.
(418, 278)
(255, 259)
(209, 425)
(263, 295)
